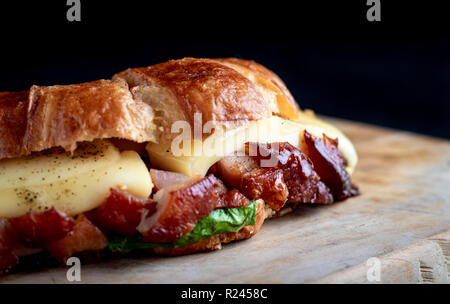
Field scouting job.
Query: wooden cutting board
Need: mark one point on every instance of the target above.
(402, 218)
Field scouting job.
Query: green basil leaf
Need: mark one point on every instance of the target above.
(218, 221)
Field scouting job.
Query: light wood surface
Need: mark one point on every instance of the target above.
(402, 218)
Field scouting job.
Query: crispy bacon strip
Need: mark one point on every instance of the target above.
(232, 169)
(267, 184)
(121, 212)
(233, 199)
(7, 257)
(84, 236)
(245, 174)
(330, 165)
(32, 230)
(163, 179)
(7, 233)
(302, 181)
(35, 230)
(180, 207)
(290, 177)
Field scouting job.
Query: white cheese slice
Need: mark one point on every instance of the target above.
(72, 183)
(198, 156)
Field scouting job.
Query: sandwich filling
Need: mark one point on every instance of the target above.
(103, 199)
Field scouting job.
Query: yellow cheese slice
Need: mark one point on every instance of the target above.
(72, 183)
(198, 156)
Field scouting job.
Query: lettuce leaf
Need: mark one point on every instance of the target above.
(218, 221)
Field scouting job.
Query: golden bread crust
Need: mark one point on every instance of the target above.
(178, 89)
(12, 122)
(227, 92)
(263, 78)
(62, 115)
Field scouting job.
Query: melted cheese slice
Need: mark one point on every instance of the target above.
(198, 156)
(71, 183)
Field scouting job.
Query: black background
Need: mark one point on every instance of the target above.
(394, 73)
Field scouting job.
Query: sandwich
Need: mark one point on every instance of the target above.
(175, 158)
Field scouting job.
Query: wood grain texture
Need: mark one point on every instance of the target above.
(402, 217)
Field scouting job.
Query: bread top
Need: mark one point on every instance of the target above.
(13, 120)
(227, 92)
(141, 104)
(62, 115)
(271, 86)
